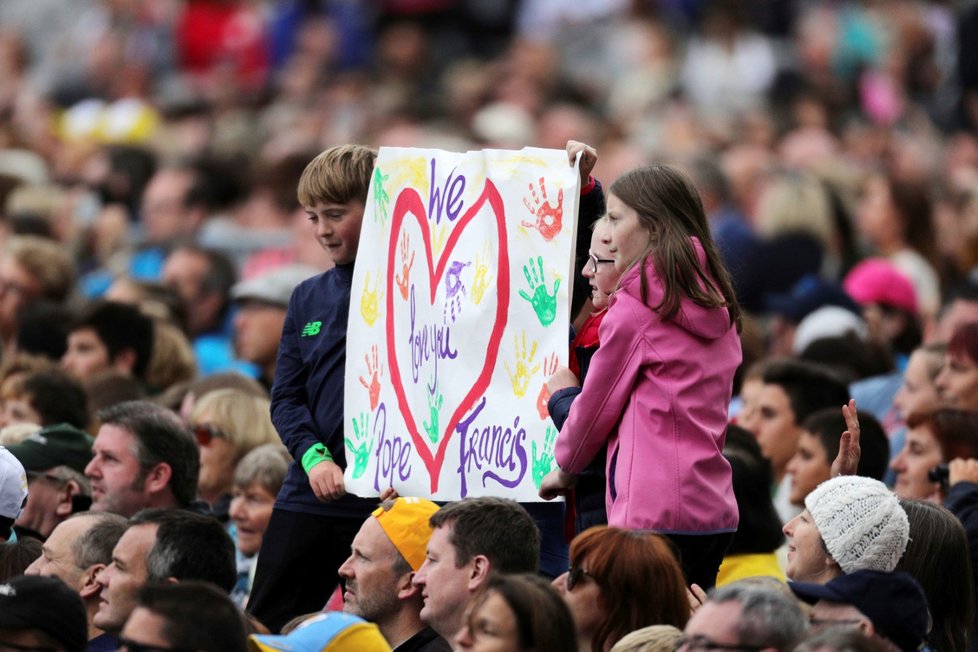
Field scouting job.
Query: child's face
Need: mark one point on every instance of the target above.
(600, 270)
(337, 227)
(629, 237)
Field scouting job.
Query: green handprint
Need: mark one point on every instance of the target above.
(544, 304)
(545, 463)
(434, 408)
(381, 198)
(360, 445)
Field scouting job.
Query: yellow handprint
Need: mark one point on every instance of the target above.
(524, 358)
(370, 301)
(482, 277)
(439, 234)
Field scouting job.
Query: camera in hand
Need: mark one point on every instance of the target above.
(938, 474)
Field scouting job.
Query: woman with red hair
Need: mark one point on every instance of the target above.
(619, 581)
(957, 381)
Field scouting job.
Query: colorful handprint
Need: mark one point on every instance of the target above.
(483, 277)
(374, 371)
(402, 279)
(370, 301)
(381, 199)
(360, 444)
(434, 409)
(454, 290)
(544, 304)
(549, 219)
(520, 379)
(549, 367)
(544, 464)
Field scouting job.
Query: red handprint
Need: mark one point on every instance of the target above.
(549, 367)
(402, 278)
(374, 370)
(549, 218)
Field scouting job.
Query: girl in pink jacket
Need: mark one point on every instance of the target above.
(658, 387)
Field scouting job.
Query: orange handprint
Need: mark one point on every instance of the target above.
(549, 218)
(549, 367)
(402, 278)
(374, 370)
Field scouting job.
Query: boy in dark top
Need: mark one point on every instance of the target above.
(314, 520)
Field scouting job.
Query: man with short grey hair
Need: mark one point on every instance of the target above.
(746, 615)
(77, 551)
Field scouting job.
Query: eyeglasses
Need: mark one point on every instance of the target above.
(574, 576)
(133, 646)
(704, 644)
(595, 261)
(34, 475)
(205, 433)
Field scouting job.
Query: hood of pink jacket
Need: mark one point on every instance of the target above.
(707, 323)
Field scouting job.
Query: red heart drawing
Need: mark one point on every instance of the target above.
(409, 202)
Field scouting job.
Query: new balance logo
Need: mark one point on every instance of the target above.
(312, 328)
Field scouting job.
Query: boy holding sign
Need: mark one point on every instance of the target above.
(314, 520)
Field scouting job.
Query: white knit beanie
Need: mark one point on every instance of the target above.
(861, 522)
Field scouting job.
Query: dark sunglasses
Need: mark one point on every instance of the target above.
(133, 646)
(205, 433)
(595, 261)
(574, 576)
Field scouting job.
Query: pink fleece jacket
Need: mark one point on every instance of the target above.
(657, 392)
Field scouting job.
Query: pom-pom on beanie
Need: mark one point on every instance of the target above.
(861, 522)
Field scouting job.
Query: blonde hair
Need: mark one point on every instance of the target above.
(243, 418)
(172, 360)
(338, 175)
(796, 203)
(46, 261)
(654, 638)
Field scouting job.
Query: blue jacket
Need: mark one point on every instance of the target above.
(307, 394)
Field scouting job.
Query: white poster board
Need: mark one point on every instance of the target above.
(458, 315)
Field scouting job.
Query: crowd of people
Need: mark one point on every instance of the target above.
(768, 426)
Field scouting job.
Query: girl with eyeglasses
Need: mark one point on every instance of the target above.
(620, 581)
(657, 388)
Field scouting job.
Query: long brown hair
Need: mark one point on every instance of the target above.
(670, 208)
(641, 582)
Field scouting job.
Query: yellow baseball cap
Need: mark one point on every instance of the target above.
(406, 525)
(333, 631)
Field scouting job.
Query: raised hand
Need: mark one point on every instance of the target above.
(544, 304)
(549, 219)
(847, 461)
(402, 279)
(520, 379)
(360, 445)
(544, 464)
(370, 301)
(374, 370)
(589, 157)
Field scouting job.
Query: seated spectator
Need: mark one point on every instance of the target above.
(758, 535)
(471, 539)
(172, 361)
(228, 423)
(45, 397)
(143, 457)
(162, 545)
(818, 446)
(41, 613)
(850, 523)
(933, 439)
(186, 616)
(957, 381)
(257, 479)
(333, 631)
(939, 558)
(16, 556)
(54, 459)
(76, 552)
(520, 613)
(13, 492)
(109, 335)
(388, 549)
(745, 616)
(619, 581)
(890, 607)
